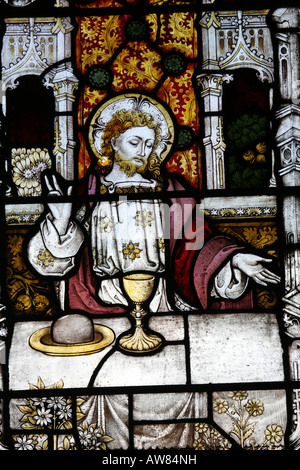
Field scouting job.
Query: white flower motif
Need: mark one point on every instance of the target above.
(89, 436)
(56, 402)
(85, 438)
(65, 412)
(39, 401)
(240, 211)
(43, 417)
(28, 173)
(24, 443)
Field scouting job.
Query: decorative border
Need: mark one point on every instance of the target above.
(27, 218)
(242, 212)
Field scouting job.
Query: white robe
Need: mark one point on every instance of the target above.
(126, 236)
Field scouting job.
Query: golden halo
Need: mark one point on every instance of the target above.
(41, 341)
(130, 101)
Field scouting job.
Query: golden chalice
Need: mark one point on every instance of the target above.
(139, 287)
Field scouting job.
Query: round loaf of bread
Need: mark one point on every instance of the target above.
(72, 329)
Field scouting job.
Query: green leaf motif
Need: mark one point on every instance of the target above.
(246, 130)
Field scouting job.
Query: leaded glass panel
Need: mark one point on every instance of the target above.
(149, 205)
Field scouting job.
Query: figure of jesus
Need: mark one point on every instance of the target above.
(116, 236)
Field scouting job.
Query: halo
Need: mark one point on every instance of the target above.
(41, 341)
(103, 114)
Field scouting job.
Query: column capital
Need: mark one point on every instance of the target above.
(286, 18)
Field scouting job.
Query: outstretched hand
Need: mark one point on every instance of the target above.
(61, 211)
(254, 267)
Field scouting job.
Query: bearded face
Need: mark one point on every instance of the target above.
(130, 167)
(133, 148)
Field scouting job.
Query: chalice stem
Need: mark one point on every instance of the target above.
(139, 341)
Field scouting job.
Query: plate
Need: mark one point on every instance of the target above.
(41, 341)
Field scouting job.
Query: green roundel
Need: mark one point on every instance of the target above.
(174, 63)
(186, 137)
(98, 77)
(136, 30)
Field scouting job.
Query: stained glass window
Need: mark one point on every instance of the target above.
(149, 205)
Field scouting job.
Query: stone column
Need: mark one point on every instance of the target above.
(214, 144)
(64, 84)
(3, 327)
(288, 113)
(287, 22)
